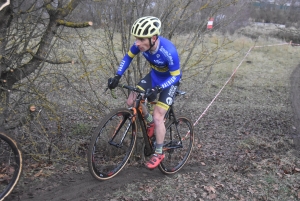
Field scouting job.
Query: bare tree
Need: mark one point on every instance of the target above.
(27, 30)
(29, 34)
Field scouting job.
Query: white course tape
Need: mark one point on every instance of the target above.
(213, 100)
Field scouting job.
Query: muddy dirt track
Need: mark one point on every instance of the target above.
(79, 185)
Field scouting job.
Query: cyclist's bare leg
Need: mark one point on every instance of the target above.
(160, 129)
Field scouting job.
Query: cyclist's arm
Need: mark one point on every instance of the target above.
(127, 59)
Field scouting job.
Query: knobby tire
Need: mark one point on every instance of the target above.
(112, 144)
(11, 164)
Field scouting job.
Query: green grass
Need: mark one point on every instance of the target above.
(81, 129)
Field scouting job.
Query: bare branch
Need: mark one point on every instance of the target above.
(46, 60)
(74, 24)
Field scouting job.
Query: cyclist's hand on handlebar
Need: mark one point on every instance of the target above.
(151, 94)
(113, 82)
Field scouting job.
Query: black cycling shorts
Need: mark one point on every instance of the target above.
(165, 97)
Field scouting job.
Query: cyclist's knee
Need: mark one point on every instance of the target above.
(159, 114)
(129, 102)
(131, 99)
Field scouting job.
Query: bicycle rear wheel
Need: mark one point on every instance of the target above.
(112, 144)
(178, 145)
(10, 164)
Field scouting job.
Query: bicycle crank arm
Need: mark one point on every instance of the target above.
(173, 147)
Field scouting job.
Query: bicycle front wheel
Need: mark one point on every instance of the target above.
(10, 164)
(112, 144)
(178, 145)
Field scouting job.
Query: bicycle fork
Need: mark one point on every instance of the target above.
(120, 144)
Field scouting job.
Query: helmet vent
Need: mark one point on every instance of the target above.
(136, 27)
(146, 31)
(144, 23)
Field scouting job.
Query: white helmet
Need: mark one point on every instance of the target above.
(146, 27)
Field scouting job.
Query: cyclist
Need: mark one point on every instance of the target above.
(163, 77)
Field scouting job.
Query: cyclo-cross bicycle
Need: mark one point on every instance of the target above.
(113, 141)
(11, 164)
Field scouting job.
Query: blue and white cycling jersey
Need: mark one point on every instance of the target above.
(164, 62)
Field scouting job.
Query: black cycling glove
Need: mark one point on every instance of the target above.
(113, 82)
(151, 94)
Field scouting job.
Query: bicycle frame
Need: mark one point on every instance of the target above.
(138, 115)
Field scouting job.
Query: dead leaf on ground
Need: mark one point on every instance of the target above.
(39, 173)
(4, 177)
(279, 174)
(209, 189)
(212, 196)
(149, 189)
(219, 184)
(250, 190)
(35, 165)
